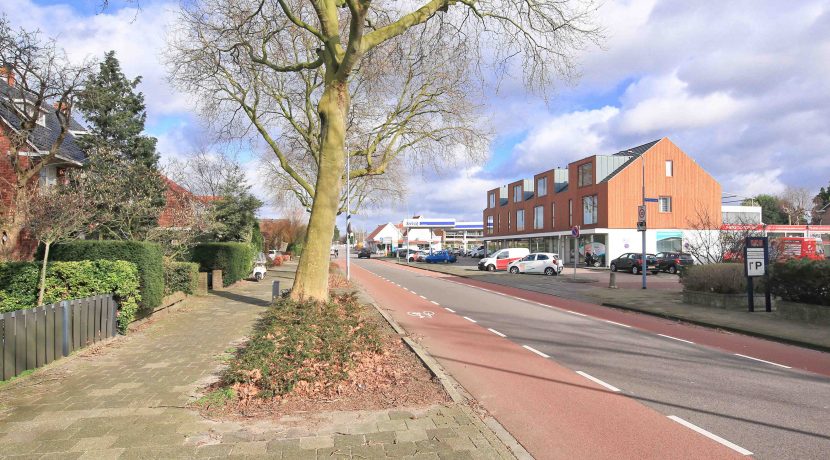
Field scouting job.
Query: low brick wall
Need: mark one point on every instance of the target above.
(803, 311)
(725, 301)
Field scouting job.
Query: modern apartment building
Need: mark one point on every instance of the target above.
(600, 194)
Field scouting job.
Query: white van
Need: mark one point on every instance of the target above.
(502, 258)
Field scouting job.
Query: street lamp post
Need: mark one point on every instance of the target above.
(348, 217)
(643, 262)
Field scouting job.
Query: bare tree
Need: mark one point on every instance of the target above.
(797, 203)
(205, 172)
(713, 242)
(377, 82)
(40, 87)
(55, 214)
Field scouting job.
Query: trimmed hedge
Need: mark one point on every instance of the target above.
(234, 259)
(802, 280)
(148, 257)
(719, 278)
(71, 280)
(180, 277)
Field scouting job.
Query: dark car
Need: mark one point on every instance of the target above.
(672, 262)
(633, 261)
(440, 257)
(364, 253)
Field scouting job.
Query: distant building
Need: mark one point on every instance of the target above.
(425, 234)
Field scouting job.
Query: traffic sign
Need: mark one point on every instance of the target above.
(756, 256)
(641, 226)
(575, 231)
(641, 213)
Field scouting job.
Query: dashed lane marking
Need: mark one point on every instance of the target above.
(436, 303)
(618, 324)
(763, 361)
(711, 436)
(598, 381)
(496, 332)
(575, 313)
(449, 310)
(470, 319)
(535, 351)
(675, 338)
(422, 297)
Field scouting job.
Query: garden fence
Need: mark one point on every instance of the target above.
(37, 336)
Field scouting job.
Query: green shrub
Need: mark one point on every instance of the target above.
(234, 259)
(719, 278)
(72, 280)
(146, 256)
(180, 277)
(802, 280)
(295, 341)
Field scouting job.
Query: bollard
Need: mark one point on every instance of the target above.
(612, 281)
(275, 291)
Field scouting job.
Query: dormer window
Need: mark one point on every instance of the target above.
(24, 108)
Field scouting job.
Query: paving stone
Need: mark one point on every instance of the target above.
(400, 449)
(381, 437)
(400, 415)
(348, 440)
(316, 442)
(371, 452)
(392, 425)
(415, 434)
(460, 443)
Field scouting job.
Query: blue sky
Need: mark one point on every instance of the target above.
(749, 101)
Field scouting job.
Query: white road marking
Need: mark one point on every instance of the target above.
(414, 292)
(598, 381)
(618, 324)
(763, 361)
(496, 332)
(422, 297)
(535, 351)
(675, 338)
(449, 310)
(519, 298)
(470, 319)
(711, 436)
(575, 313)
(436, 303)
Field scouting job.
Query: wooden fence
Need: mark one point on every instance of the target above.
(37, 336)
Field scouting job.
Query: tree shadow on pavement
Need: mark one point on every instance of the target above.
(242, 298)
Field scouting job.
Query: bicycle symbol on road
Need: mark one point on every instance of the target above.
(422, 314)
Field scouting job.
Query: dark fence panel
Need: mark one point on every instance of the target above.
(37, 336)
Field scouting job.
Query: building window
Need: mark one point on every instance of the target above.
(520, 220)
(492, 202)
(589, 210)
(498, 223)
(490, 225)
(669, 168)
(542, 186)
(538, 217)
(586, 174)
(552, 215)
(570, 213)
(508, 221)
(665, 204)
(517, 193)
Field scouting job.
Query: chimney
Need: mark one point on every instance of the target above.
(63, 107)
(6, 72)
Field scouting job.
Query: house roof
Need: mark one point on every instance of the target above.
(633, 153)
(375, 232)
(43, 137)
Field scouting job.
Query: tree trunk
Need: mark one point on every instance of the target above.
(313, 269)
(42, 287)
(14, 228)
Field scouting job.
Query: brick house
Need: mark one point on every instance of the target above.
(179, 205)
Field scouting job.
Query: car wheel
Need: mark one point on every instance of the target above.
(672, 269)
(635, 270)
(514, 270)
(613, 267)
(596, 264)
(550, 271)
(491, 268)
(258, 276)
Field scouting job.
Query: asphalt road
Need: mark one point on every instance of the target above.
(761, 407)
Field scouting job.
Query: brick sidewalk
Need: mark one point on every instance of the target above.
(127, 401)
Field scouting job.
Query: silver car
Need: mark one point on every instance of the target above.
(548, 263)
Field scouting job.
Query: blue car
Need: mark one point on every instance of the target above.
(440, 256)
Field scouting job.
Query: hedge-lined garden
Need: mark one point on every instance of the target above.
(72, 280)
(180, 277)
(234, 259)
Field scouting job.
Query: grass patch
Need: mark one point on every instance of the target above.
(22, 375)
(305, 348)
(216, 398)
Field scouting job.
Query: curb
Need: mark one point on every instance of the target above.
(456, 391)
(712, 325)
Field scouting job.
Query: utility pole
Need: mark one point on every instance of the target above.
(348, 216)
(643, 262)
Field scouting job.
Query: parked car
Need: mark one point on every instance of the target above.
(440, 257)
(539, 262)
(633, 261)
(593, 260)
(673, 261)
(364, 253)
(501, 259)
(414, 256)
(273, 254)
(478, 252)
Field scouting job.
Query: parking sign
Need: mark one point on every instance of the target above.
(756, 256)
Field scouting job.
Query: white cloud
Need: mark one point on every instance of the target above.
(755, 183)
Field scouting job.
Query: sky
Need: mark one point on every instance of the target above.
(741, 86)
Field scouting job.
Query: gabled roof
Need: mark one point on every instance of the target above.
(633, 153)
(43, 137)
(375, 232)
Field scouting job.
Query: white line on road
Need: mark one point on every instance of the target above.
(496, 332)
(675, 338)
(535, 351)
(449, 310)
(598, 381)
(763, 361)
(575, 313)
(470, 319)
(436, 303)
(414, 292)
(422, 297)
(618, 324)
(711, 436)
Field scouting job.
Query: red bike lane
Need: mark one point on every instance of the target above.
(551, 410)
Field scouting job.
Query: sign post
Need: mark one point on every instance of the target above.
(641, 227)
(756, 261)
(575, 234)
